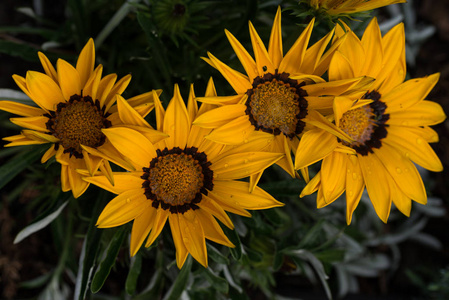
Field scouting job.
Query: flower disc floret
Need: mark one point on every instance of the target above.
(176, 179)
(366, 124)
(78, 122)
(276, 104)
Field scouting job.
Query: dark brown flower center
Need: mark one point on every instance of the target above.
(366, 124)
(78, 122)
(176, 179)
(276, 104)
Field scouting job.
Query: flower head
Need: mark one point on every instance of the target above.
(74, 105)
(278, 97)
(388, 126)
(184, 178)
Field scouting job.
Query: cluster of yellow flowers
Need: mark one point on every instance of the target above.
(364, 124)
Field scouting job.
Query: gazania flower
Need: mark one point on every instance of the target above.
(345, 7)
(184, 178)
(278, 96)
(388, 125)
(74, 105)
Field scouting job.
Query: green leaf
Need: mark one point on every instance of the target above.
(89, 251)
(21, 50)
(180, 283)
(216, 255)
(133, 274)
(234, 238)
(109, 260)
(20, 162)
(218, 283)
(36, 226)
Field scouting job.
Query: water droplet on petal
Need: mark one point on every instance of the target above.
(419, 141)
(246, 161)
(226, 165)
(399, 170)
(245, 141)
(407, 154)
(127, 200)
(354, 176)
(404, 123)
(350, 193)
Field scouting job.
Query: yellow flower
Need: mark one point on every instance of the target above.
(74, 105)
(277, 99)
(388, 125)
(184, 178)
(344, 7)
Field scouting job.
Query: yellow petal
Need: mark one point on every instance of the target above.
(212, 230)
(227, 204)
(192, 106)
(48, 67)
(314, 145)
(43, 90)
(77, 184)
(312, 186)
(409, 93)
(118, 88)
(376, 179)
(159, 222)
(263, 61)
(424, 113)
(333, 177)
(128, 115)
(353, 51)
(65, 184)
(393, 44)
(220, 116)
(236, 193)
(21, 109)
(313, 55)
(39, 136)
(213, 208)
(239, 82)
(404, 173)
(105, 168)
(354, 186)
(123, 181)
(21, 83)
(86, 61)
(316, 119)
(400, 200)
(123, 208)
(340, 67)
(414, 147)
(234, 132)
(132, 144)
(176, 121)
(110, 153)
(193, 236)
(142, 226)
(242, 165)
(372, 45)
(292, 61)
(69, 79)
(275, 50)
(181, 250)
(246, 60)
(93, 83)
(35, 123)
(48, 154)
(105, 87)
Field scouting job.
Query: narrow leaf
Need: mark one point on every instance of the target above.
(133, 274)
(180, 283)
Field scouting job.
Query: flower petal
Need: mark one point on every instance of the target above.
(128, 115)
(142, 226)
(35, 123)
(48, 67)
(314, 145)
(159, 222)
(21, 109)
(275, 50)
(132, 144)
(43, 90)
(193, 236)
(424, 113)
(233, 133)
(263, 62)
(176, 121)
(236, 193)
(181, 250)
(86, 62)
(333, 176)
(123, 181)
(376, 179)
(242, 165)
(212, 230)
(123, 208)
(414, 147)
(246, 60)
(220, 116)
(213, 208)
(69, 79)
(354, 186)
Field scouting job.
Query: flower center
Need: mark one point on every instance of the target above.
(366, 124)
(276, 104)
(176, 179)
(78, 122)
